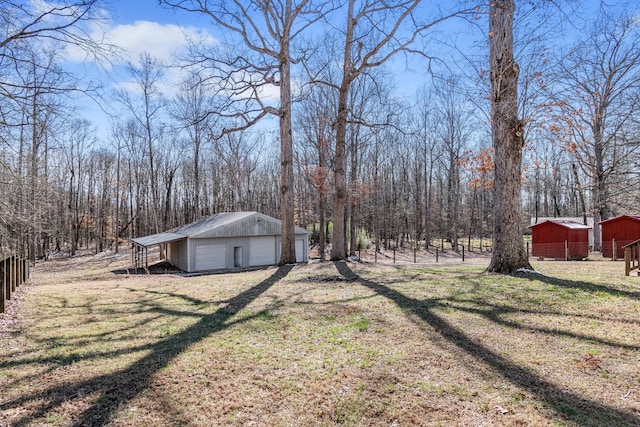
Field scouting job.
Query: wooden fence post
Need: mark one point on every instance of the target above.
(2, 288)
(614, 255)
(566, 250)
(14, 275)
(9, 276)
(436, 254)
(627, 261)
(17, 273)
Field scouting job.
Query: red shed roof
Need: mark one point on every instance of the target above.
(565, 223)
(632, 217)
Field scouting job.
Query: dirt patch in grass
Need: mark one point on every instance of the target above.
(324, 344)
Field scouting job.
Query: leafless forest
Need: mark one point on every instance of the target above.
(340, 149)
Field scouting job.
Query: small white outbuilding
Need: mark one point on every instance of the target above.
(224, 241)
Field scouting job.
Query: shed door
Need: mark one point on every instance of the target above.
(262, 251)
(237, 256)
(210, 256)
(299, 250)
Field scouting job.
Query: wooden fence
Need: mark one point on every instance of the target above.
(14, 271)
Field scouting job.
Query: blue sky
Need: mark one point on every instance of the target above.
(135, 27)
(143, 26)
(138, 26)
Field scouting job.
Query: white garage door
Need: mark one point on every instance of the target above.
(263, 250)
(210, 256)
(300, 250)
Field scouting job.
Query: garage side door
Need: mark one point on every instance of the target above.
(262, 250)
(300, 250)
(210, 256)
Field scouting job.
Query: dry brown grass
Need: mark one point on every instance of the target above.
(324, 344)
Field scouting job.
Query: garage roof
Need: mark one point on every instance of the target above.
(563, 222)
(156, 239)
(226, 224)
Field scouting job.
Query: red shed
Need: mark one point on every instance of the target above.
(624, 229)
(560, 239)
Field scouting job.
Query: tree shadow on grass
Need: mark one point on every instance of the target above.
(570, 405)
(118, 388)
(495, 313)
(592, 288)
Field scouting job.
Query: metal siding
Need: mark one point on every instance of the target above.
(262, 250)
(254, 225)
(232, 243)
(177, 254)
(578, 244)
(183, 259)
(210, 254)
(624, 229)
(548, 241)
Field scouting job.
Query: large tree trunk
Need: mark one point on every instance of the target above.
(583, 205)
(338, 251)
(288, 249)
(354, 198)
(599, 185)
(507, 134)
(338, 244)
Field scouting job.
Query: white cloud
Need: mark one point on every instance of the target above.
(161, 41)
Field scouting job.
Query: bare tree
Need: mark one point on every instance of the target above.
(33, 37)
(316, 145)
(31, 34)
(260, 58)
(454, 129)
(427, 152)
(148, 111)
(80, 138)
(190, 109)
(508, 139)
(374, 33)
(598, 98)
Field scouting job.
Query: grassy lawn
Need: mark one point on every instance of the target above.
(324, 344)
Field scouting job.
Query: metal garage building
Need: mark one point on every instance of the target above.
(223, 241)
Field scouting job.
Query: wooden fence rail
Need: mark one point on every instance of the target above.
(14, 271)
(631, 257)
